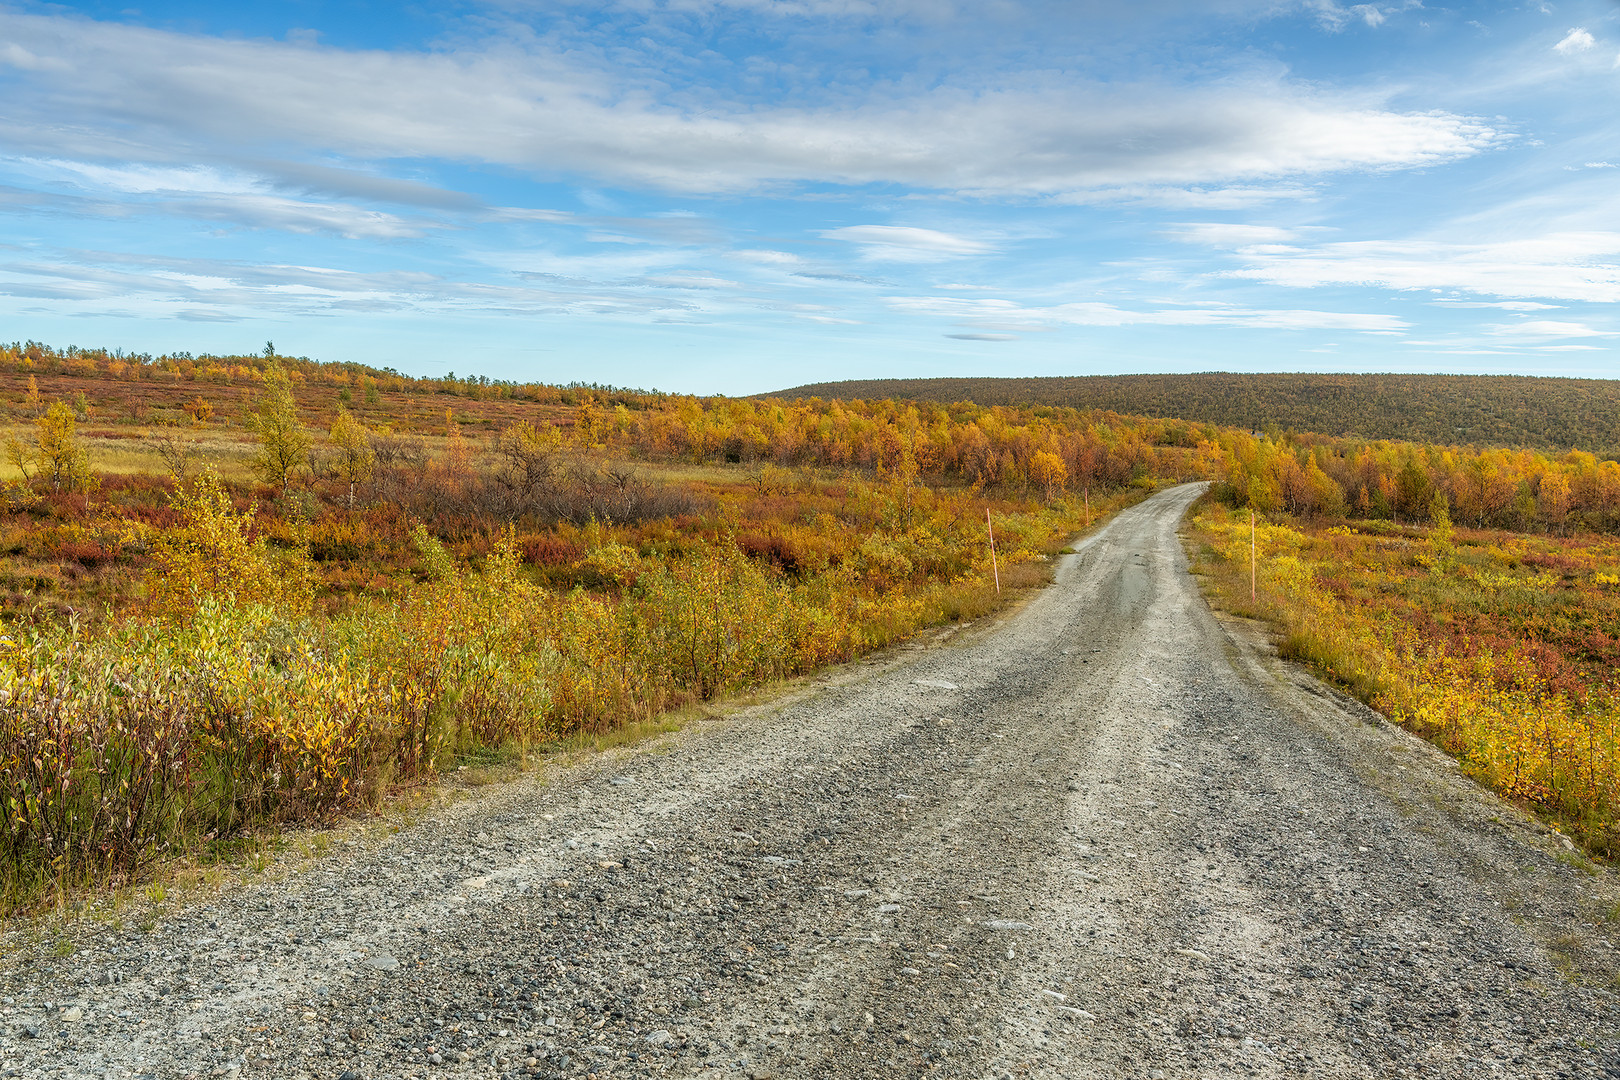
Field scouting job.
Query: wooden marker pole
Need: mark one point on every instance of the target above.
(995, 568)
(1088, 508)
(1251, 556)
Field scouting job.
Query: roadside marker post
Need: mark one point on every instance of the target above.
(1251, 556)
(995, 568)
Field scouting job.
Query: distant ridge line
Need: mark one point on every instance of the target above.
(1544, 412)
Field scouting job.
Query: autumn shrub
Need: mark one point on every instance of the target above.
(154, 736)
(228, 699)
(548, 549)
(214, 554)
(344, 538)
(718, 622)
(773, 548)
(1509, 707)
(464, 656)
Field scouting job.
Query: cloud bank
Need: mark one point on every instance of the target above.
(103, 91)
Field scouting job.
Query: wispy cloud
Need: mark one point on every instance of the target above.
(181, 288)
(1224, 235)
(213, 194)
(1336, 17)
(1500, 305)
(1012, 314)
(99, 90)
(1559, 266)
(904, 243)
(1546, 328)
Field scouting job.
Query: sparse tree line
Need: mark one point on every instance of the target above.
(549, 470)
(582, 468)
(1516, 490)
(249, 370)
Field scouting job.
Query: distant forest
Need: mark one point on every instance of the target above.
(1483, 410)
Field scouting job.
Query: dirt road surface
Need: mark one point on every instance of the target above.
(1107, 837)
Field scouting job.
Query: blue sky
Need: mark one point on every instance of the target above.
(740, 195)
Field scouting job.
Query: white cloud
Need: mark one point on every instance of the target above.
(1559, 266)
(1008, 314)
(1224, 235)
(268, 212)
(829, 320)
(1545, 328)
(213, 194)
(1189, 197)
(14, 55)
(692, 280)
(903, 243)
(1500, 305)
(767, 257)
(1577, 40)
(142, 179)
(1335, 17)
(90, 282)
(96, 90)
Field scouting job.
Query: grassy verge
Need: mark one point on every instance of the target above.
(1465, 640)
(231, 706)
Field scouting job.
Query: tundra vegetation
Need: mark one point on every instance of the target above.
(243, 591)
(280, 607)
(1472, 596)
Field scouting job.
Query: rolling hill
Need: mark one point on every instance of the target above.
(1495, 410)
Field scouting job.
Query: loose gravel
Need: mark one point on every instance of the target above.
(1108, 837)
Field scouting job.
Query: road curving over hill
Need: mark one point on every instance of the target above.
(1109, 836)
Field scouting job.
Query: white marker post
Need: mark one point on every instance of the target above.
(1251, 556)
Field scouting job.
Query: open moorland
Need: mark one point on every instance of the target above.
(1107, 832)
(331, 510)
(235, 603)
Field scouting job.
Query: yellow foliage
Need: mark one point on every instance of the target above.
(355, 457)
(58, 456)
(1049, 471)
(233, 703)
(213, 555)
(283, 442)
(1491, 710)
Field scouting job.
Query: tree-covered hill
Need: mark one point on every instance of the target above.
(1497, 410)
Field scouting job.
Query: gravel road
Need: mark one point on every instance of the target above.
(1107, 836)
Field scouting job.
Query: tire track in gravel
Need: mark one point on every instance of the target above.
(1107, 838)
